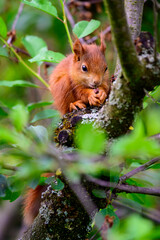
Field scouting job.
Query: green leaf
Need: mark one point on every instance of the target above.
(32, 106)
(48, 56)
(127, 201)
(6, 192)
(19, 116)
(11, 195)
(42, 181)
(7, 136)
(3, 28)
(34, 44)
(19, 83)
(99, 193)
(3, 185)
(48, 113)
(39, 132)
(34, 183)
(135, 144)
(151, 121)
(155, 166)
(3, 52)
(89, 139)
(109, 211)
(138, 227)
(139, 182)
(3, 112)
(43, 5)
(140, 198)
(84, 28)
(57, 185)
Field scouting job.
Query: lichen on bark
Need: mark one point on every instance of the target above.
(134, 11)
(61, 216)
(115, 117)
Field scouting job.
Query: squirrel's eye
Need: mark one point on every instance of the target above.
(106, 69)
(84, 68)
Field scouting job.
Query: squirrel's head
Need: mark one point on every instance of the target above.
(89, 67)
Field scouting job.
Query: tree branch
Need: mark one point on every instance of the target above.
(69, 16)
(155, 25)
(13, 32)
(131, 66)
(134, 11)
(93, 39)
(125, 188)
(139, 169)
(20, 9)
(71, 20)
(144, 211)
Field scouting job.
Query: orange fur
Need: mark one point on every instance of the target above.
(32, 202)
(71, 87)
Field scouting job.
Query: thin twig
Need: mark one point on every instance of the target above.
(70, 157)
(93, 39)
(139, 169)
(155, 136)
(21, 51)
(93, 237)
(144, 211)
(71, 20)
(148, 95)
(125, 188)
(20, 9)
(66, 25)
(12, 38)
(24, 64)
(69, 16)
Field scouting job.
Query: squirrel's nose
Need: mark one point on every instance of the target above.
(95, 83)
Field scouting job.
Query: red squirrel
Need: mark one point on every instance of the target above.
(80, 79)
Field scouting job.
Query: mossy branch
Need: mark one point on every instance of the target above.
(131, 67)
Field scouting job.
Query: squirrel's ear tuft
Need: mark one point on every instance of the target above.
(103, 45)
(78, 49)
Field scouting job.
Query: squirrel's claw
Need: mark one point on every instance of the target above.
(74, 105)
(94, 100)
(102, 95)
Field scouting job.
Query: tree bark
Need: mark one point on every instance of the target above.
(134, 12)
(62, 214)
(127, 92)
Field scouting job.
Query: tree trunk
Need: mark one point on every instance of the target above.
(63, 214)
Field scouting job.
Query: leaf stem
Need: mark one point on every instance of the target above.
(24, 64)
(66, 25)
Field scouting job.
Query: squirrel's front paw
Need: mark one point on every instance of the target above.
(101, 95)
(74, 105)
(94, 99)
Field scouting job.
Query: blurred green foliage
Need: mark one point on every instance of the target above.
(25, 136)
